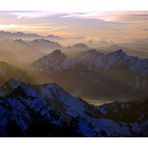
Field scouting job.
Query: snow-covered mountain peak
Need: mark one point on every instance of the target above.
(90, 54)
(31, 107)
(49, 90)
(54, 58)
(117, 58)
(13, 86)
(92, 60)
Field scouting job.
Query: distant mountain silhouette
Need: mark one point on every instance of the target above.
(26, 35)
(97, 75)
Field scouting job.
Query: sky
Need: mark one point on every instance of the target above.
(74, 5)
(100, 25)
(91, 19)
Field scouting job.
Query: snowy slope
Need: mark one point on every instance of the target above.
(114, 59)
(115, 74)
(52, 62)
(54, 112)
(93, 59)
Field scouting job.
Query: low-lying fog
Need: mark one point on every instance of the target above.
(22, 51)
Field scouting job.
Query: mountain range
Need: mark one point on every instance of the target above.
(17, 35)
(115, 75)
(33, 100)
(110, 77)
(20, 52)
(48, 110)
(93, 59)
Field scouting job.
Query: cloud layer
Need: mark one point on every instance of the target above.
(113, 25)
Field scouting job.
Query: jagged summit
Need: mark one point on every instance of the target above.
(92, 52)
(54, 58)
(14, 86)
(89, 55)
(57, 52)
(54, 112)
(94, 59)
(10, 85)
(118, 52)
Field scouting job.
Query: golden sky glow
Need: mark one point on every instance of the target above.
(111, 25)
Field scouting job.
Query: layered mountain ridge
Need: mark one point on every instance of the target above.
(93, 58)
(48, 110)
(116, 74)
